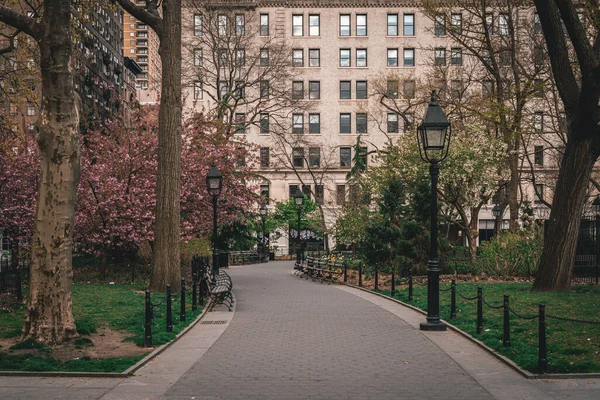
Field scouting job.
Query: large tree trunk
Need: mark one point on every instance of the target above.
(556, 264)
(513, 193)
(474, 232)
(166, 259)
(49, 317)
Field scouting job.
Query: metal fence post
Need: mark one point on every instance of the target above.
(479, 309)
(393, 289)
(169, 315)
(182, 315)
(376, 279)
(18, 285)
(453, 299)
(360, 275)
(542, 357)
(345, 271)
(194, 291)
(410, 285)
(148, 321)
(506, 335)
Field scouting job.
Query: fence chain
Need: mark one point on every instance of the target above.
(492, 306)
(159, 303)
(580, 321)
(466, 298)
(521, 316)
(446, 290)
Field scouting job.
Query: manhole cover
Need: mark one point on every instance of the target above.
(213, 322)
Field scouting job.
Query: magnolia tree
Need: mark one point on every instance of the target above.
(116, 197)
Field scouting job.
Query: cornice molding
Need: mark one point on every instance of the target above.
(304, 3)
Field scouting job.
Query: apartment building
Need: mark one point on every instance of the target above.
(140, 43)
(343, 60)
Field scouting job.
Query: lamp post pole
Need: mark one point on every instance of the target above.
(214, 184)
(215, 255)
(433, 137)
(596, 207)
(298, 249)
(263, 213)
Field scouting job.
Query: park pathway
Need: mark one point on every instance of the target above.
(296, 339)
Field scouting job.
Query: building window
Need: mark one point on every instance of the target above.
(361, 122)
(30, 109)
(538, 157)
(222, 25)
(362, 155)
(345, 123)
(345, 58)
(487, 88)
(265, 193)
(440, 56)
(298, 157)
(456, 56)
(409, 25)
(240, 24)
(264, 123)
(240, 57)
(392, 89)
(240, 123)
(345, 157)
(314, 123)
(314, 22)
(319, 194)
(345, 89)
(392, 57)
(264, 24)
(456, 23)
(440, 25)
(408, 122)
(222, 57)
(344, 24)
(241, 160)
(489, 23)
(197, 25)
(538, 87)
(340, 195)
(197, 57)
(240, 90)
(409, 89)
(298, 58)
(361, 24)
(361, 89)
(538, 195)
(537, 24)
(264, 57)
(297, 123)
(12, 109)
(197, 90)
(314, 90)
(264, 157)
(538, 55)
(314, 157)
(538, 121)
(562, 121)
(297, 25)
(264, 89)
(503, 24)
(297, 90)
(456, 88)
(392, 123)
(409, 57)
(314, 57)
(504, 57)
(392, 24)
(223, 89)
(361, 57)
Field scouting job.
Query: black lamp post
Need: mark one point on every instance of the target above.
(299, 202)
(433, 138)
(214, 184)
(496, 212)
(263, 214)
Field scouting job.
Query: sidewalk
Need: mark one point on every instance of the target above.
(293, 338)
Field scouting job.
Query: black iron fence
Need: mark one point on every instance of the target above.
(13, 272)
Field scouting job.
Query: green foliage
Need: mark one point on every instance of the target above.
(85, 326)
(285, 216)
(83, 342)
(511, 254)
(197, 246)
(27, 344)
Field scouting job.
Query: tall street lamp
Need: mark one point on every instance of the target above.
(433, 137)
(214, 184)
(299, 202)
(496, 212)
(263, 214)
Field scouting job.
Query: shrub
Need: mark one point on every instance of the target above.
(511, 254)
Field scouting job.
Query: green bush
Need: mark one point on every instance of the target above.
(511, 254)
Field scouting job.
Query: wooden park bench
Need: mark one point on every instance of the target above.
(219, 288)
(324, 269)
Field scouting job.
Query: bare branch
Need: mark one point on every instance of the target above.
(21, 22)
(149, 16)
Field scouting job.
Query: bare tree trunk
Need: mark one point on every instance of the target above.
(49, 317)
(473, 232)
(513, 193)
(556, 264)
(166, 258)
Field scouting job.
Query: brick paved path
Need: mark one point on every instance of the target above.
(292, 338)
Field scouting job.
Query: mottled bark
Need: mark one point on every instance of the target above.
(49, 317)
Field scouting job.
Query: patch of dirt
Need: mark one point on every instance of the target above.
(106, 344)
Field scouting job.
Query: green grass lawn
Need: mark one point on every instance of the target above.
(572, 347)
(118, 307)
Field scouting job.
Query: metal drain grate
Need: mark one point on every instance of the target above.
(213, 322)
